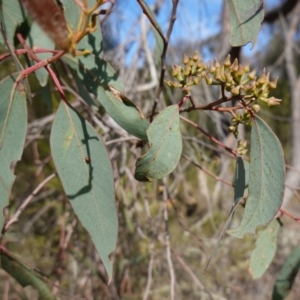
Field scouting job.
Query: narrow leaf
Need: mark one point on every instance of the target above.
(287, 275)
(239, 188)
(10, 16)
(165, 146)
(265, 248)
(25, 276)
(101, 80)
(245, 21)
(266, 179)
(83, 165)
(13, 126)
(239, 180)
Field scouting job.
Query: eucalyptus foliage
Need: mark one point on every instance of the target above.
(78, 152)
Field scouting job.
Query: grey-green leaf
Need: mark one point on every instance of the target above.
(84, 167)
(239, 188)
(239, 180)
(245, 21)
(287, 276)
(165, 146)
(101, 80)
(266, 179)
(13, 126)
(11, 15)
(265, 248)
(25, 276)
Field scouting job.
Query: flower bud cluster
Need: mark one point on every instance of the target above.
(240, 119)
(235, 78)
(191, 74)
(242, 147)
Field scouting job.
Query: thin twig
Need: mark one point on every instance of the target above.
(216, 178)
(167, 241)
(150, 268)
(164, 53)
(283, 211)
(211, 106)
(232, 151)
(191, 273)
(152, 21)
(15, 217)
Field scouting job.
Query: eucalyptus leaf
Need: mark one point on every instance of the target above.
(25, 276)
(265, 248)
(101, 80)
(165, 146)
(266, 179)
(239, 188)
(11, 15)
(287, 275)
(13, 126)
(84, 168)
(245, 21)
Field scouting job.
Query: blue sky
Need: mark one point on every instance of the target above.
(196, 20)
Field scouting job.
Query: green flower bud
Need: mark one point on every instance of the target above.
(185, 59)
(256, 108)
(217, 64)
(246, 68)
(197, 80)
(227, 61)
(195, 56)
(273, 101)
(208, 80)
(235, 90)
(235, 65)
(251, 75)
(175, 70)
(187, 70)
(273, 84)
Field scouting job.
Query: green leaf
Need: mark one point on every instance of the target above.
(11, 15)
(265, 248)
(165, 146)
(266, 179)
(158, 39)
(84, 167)
(247, 167)
(101, 80)
(239, 180)
(25, 276)
(47, 96)
(38, 39)
(245, 21)
(239, 188)
(287, 276)
(13, 126)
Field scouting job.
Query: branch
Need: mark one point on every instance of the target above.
(163, 55)
(213, 139)
(15, 217)
(167, 241)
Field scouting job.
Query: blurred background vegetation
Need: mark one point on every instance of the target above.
(48, 236)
